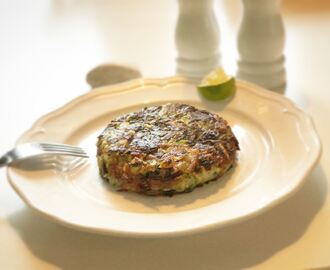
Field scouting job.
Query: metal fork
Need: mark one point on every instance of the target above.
(28, 151)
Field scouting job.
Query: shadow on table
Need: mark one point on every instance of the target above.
(233, 247)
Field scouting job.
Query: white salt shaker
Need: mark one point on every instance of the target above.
(197, 38)
(261, 43)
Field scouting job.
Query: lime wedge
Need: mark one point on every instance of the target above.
(217, 85)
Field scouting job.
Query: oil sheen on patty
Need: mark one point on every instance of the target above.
(165, 149)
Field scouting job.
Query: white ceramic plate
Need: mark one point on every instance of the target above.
(278, 142)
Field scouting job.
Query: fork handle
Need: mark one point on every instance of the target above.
(3, 161)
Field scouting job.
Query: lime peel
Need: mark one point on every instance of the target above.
(217, 85)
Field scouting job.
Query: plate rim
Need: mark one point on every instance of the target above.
(135, 85)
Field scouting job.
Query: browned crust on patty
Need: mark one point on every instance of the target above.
(149, 151)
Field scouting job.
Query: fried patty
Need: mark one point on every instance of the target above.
(165, 149)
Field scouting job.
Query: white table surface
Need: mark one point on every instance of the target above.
(46, 49)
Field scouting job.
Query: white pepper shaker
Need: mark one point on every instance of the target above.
(197, 38)
(261, 43)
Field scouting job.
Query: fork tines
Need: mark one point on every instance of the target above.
(63, 149)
